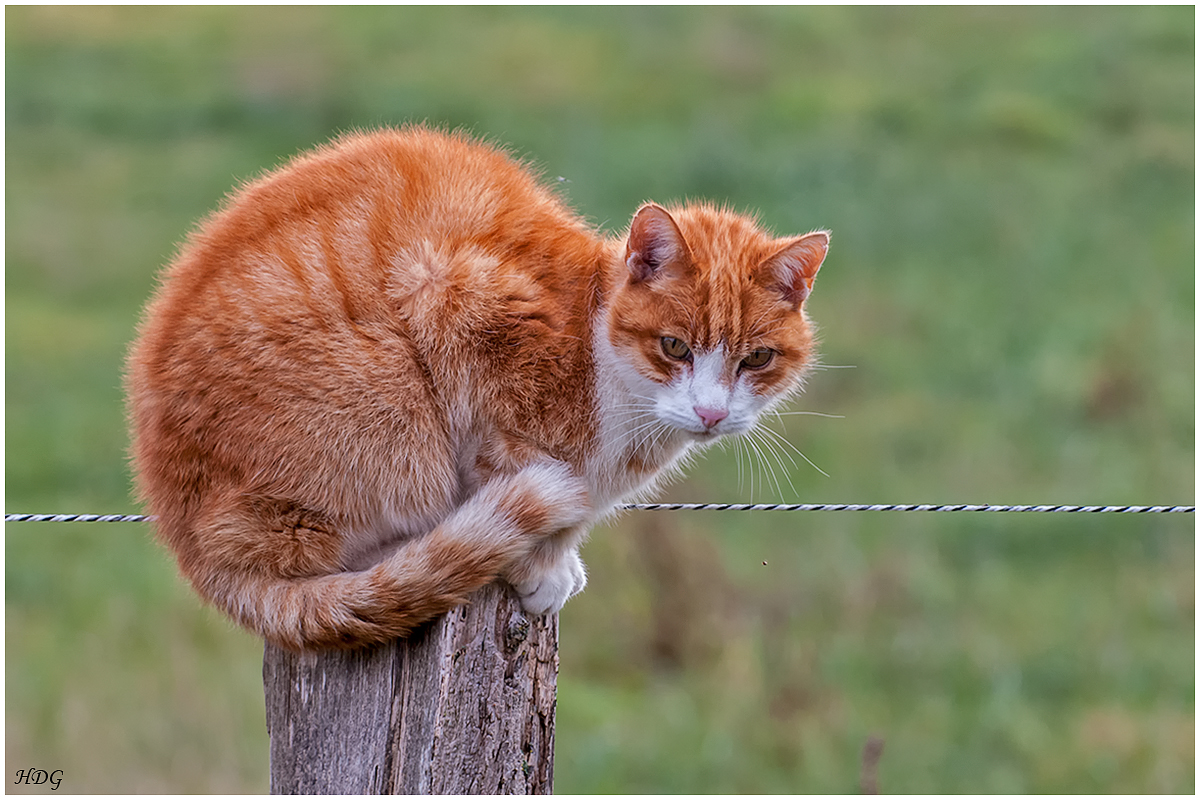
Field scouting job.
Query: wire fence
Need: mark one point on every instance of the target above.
(909, 507)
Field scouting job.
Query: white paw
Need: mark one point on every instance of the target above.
(547, 591)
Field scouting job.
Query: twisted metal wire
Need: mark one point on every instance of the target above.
(77, 518)
(907, 507)
(732, 507)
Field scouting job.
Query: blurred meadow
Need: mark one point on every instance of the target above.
(1011, 195)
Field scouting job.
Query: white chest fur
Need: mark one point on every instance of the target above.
(635, 448)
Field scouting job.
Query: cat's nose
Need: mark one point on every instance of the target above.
(710, 416)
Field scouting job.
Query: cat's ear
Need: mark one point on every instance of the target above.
(655, 244)
(792, 270)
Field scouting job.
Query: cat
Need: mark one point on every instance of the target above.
(399, 368)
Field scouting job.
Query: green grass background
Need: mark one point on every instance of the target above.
(1011, 193)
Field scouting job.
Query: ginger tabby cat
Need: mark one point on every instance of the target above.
(399, 368)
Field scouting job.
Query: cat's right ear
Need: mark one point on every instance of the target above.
(655, 244)
(792, 270)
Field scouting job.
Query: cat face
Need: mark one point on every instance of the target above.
(709, 326)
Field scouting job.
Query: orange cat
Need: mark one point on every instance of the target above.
(399, 368)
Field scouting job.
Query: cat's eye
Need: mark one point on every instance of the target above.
(676, 349)
(759, 358)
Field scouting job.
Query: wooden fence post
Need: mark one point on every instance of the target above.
(464, 706)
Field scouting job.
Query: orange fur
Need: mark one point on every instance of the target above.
(399, 368)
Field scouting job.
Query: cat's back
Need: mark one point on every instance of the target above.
(344, 233)
(391, 187)
(431, 184)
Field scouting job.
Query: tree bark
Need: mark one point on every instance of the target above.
(463, 706)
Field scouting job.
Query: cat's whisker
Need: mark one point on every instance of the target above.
(625, 412)
(629, 440)
(742, 449)
(808, 414)
(780, 451)
(644, 424)
(650, 431)
(636, 408)
(770, 450)
(737, 451)
(777, 452)
(811, 464)
(754, 451)
(664, 432)
(767, 435)
(754, 444)
(638, 399)
(784, 440)
(629, 416)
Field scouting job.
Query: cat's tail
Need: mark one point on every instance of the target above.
(496, 528)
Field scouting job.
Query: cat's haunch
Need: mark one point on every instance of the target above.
(400, 367)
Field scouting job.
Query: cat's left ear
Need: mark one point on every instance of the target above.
(792, 270)
(655, 245)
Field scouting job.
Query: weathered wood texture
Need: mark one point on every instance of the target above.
(464, 706)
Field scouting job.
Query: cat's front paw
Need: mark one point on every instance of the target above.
(545, 498)
(546, 590)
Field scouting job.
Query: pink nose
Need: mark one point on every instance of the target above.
(710, 416)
